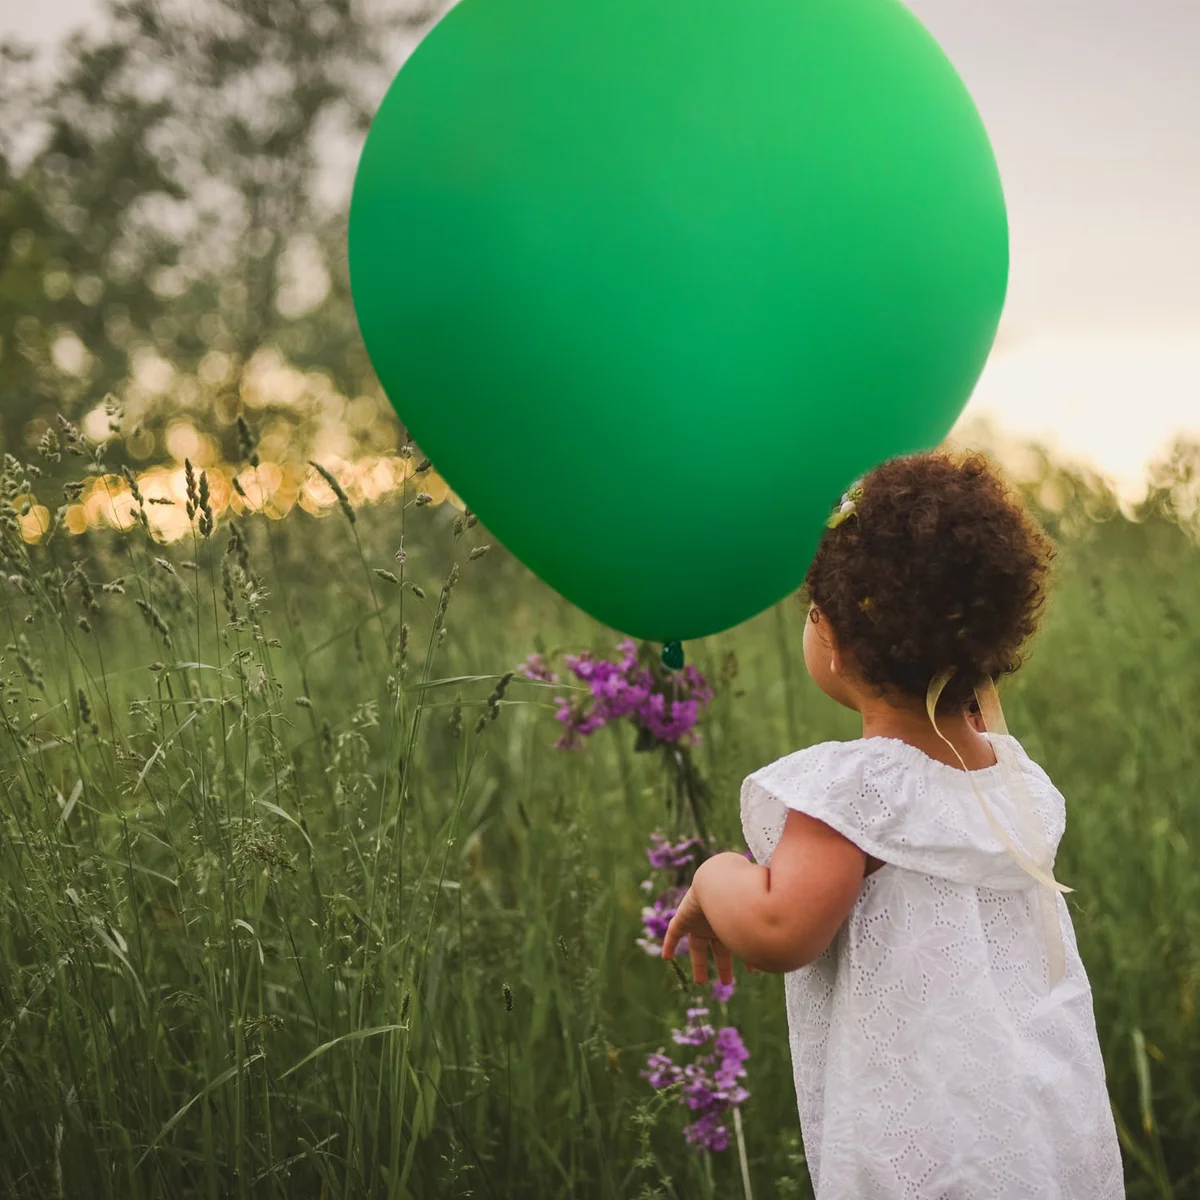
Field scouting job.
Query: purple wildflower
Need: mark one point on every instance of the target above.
(708, 1133)
(668, 720)
(697, 685)
(536, 667)
(729, 1045)
(665, 857)
(697, 1032)
(661, 1072)
(710, 1087)
(577, 722)
(626, 688)
(708, 1084)
(680, 858)
(629, 654)
(722, 992)
(655, 919)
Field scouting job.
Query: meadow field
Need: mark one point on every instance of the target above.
(299, 899)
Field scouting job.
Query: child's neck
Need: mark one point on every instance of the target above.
(912, 725)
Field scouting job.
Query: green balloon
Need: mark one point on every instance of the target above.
(653, 282)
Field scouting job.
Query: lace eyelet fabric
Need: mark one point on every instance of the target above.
(932, 1060)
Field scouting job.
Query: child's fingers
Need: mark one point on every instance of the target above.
(724, 963)
(670, 941)
(698, 953)
(675, 929)
(671, 937)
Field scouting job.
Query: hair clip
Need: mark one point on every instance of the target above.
(847, 508)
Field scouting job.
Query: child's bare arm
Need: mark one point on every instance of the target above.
(781, 917)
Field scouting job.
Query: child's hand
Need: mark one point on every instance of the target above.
(690, 922)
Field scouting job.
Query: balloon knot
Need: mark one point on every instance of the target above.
(672, 656)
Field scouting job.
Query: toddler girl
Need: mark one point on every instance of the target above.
(941, 1026)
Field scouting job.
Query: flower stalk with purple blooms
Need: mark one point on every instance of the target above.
(664, 706)
(681, 861)
(709, 1090)
(708, 1084)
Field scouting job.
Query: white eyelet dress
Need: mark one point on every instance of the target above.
(932, 1061)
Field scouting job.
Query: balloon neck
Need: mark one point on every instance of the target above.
(672, 656)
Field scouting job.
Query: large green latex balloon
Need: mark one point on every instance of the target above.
(652, 281)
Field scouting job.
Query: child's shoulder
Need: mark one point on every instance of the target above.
(833, 758)
(857, 758)
(828, 773)
(900, 806)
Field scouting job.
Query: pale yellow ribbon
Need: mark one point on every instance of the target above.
(1041, 866)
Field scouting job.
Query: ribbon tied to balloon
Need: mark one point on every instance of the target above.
(652, 282)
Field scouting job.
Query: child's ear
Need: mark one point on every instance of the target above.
(836, 658)
(835, 661)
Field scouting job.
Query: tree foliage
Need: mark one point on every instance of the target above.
(173, 199)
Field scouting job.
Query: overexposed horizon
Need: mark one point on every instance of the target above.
(1094, 113)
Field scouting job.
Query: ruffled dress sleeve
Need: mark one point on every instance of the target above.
(899, 806)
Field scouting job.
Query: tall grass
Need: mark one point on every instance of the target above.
(296, 898)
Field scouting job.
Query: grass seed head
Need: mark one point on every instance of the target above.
(342, 499)
(69, 437)
(87, 594)
(246, 442)
(131, 482)
(231, 583)
(154, 620)
(253, 844)
(203, 503)
(444, 597)
(49, 447)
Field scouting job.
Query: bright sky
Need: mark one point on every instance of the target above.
(1094, 111)
(1093, 107)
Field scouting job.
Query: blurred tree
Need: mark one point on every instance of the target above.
(1174, 487)
(172, 216)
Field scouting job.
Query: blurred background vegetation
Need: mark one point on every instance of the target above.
(173, 199)
(174, 189)
(262, 881)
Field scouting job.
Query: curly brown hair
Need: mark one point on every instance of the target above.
(939, 567)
